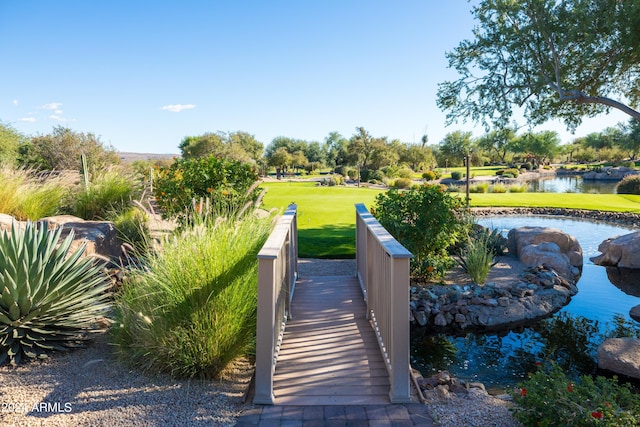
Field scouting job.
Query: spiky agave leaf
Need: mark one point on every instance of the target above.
(49, 298)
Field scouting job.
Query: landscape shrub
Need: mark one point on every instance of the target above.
(193, 309)
(630, 184)
(61, 149)
(429, 175)
(457, 175)
(50, 298)
(476, 257)
(227, 183)
(132, 229)
(427, 221)
(482, 187)
(402, 183)
(526, 166)
(29, 196)
(109, 191)
(498, 188)
(508, 173)
(451, 188)
(550, 398)
(405, 173)
(518, 188)
(340, 170)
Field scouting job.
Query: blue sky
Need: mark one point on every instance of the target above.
(142, 75)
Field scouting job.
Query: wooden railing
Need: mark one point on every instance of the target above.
(277, 274)
(382, 265)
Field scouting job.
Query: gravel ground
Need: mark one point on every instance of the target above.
(477, 409)
(88, 387)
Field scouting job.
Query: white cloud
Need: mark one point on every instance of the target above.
(14, 102)
(58, 111)
(176, 108)
(52, 106)
(28, 119)
(61, 119)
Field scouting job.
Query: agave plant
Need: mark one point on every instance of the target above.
(49, 298)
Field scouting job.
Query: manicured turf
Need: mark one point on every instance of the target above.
(326, 215)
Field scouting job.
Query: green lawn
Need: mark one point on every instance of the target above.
(326, 215)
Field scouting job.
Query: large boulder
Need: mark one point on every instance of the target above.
(620, 251)
(621, 356)
(546, 246)
(99, 237)
(609, 174)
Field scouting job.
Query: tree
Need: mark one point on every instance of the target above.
(204, 145)
(245, 146)
(279, 159)
(453, 148)
(538, 147)
(61, 149)
(553, 58)
(498, 142)
(10, 140)
(335, 146)
(631, 142)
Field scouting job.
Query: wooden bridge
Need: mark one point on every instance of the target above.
(333, 340)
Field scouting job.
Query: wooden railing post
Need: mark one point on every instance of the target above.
(382, 265)
(265, 339)
(277, 273)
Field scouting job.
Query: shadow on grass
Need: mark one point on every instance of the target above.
(330, 241)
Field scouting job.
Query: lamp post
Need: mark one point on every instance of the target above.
(467, 162)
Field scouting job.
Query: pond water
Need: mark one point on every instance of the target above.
(571, 184)
(570, 337)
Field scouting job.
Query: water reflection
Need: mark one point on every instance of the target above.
(501, 360)
(571, 184)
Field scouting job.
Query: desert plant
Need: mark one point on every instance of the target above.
(518, 188)
(550, 398)
(108, 191)
(482, 187)
(50, 298)
(28, 196)
(476, 258)
(630, 184)
(132, 229)
(193, 309)
(498, 188)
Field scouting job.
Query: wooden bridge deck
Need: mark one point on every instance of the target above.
(329, 353)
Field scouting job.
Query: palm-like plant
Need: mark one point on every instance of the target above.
(49, 298)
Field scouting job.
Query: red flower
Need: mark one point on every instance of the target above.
(597, 415)
(537, 363)
(607, 404)
(523, 392)
(570, 388)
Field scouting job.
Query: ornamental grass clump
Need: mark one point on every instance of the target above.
(477, 257)
(550, 398)
(192, 309)
(50, 298)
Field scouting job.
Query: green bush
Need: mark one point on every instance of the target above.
(110, 190)
(50, 297)
(427, 221)
(402, 183)
(630, 184)
(369, 175)
(131, 225)
(457, 175)
(405, 173)
(225, 182)
(550, 398)
(429, 176)
(193, 309)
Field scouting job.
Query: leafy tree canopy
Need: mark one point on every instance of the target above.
(240, 146)
(564, 59)
(10, 140)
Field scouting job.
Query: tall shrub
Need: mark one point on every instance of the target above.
(193, 309)
(630, 184)
(224, 182)
(427, 220)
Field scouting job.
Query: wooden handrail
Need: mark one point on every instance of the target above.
(277, 274)
(382, 266)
